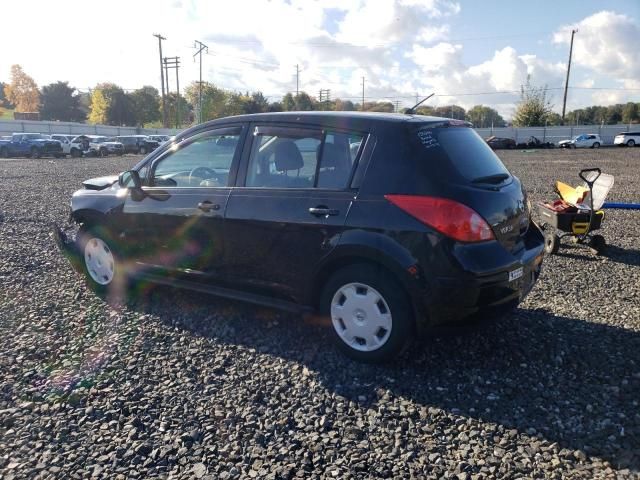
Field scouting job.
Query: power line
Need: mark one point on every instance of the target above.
(174, 62)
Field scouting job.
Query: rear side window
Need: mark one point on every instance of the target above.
(460, 148)
(284, 157)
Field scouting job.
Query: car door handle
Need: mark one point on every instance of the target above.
(322, 211)
(207, 206)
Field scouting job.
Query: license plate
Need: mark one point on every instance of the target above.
(515, 274)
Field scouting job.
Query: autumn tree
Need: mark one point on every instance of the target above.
(534, 106)
(22, 91)
(99, 107)
(59, 102)
(4, 102)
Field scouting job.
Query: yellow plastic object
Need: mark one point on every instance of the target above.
(570, 194)
(578, 228)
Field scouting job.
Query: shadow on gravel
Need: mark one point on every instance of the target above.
(623, 255)
(559, 379)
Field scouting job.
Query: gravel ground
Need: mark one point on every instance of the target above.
(182, 385)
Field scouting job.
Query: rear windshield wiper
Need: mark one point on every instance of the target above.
(496, 178)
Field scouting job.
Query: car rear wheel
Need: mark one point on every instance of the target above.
(370, 313)
(34, 153)
(4, 152)
(75, 152)
(596, 145)
(631, 143)
(103, 152)
(142, 150)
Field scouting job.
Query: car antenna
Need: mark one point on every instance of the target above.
(412, 110)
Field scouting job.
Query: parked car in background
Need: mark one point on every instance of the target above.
(74, 145)
(586, 140)
(287, 212)
(102, 146)
(34, 145)
(498, 143)
(140, 144)
(160, 138)
(630, 139)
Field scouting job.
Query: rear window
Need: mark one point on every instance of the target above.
(461, 148)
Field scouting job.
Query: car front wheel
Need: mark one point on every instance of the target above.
(596, 145)
(142, 150)
(370, 313)
(102, 265)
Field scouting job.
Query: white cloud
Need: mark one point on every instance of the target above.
(607, 43)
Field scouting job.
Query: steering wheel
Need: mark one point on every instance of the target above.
(202, 173)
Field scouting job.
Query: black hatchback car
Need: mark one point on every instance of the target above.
(387, 223)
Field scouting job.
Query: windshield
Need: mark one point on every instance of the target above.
(34, 136)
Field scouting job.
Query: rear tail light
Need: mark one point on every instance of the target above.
(449, 217)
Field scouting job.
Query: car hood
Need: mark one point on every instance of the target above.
(100, 183)
(562, 142)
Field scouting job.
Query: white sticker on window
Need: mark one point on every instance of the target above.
(427, 140)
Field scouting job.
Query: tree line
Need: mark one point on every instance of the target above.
(109, 104)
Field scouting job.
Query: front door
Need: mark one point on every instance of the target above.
(177, 226)
(289, 208)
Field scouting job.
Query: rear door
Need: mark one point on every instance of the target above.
(289, 207)
(178, 224)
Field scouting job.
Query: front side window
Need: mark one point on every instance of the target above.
(203, 162)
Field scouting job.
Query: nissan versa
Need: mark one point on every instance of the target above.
(387, 223)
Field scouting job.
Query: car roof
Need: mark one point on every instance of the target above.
(353, 120)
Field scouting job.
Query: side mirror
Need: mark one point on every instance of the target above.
(131, 180)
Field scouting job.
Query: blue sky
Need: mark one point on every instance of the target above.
(468, 52)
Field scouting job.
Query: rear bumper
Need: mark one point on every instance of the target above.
(488, 286)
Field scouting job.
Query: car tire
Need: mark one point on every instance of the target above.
(596, 145)
(4, 152)
(103, 152)
(551, 243)
(75, 153)
(142, 150)
(102, 264)
(631, 143)
(57, 155)
(370, 313)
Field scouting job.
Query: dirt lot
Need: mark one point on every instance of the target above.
(182, 385)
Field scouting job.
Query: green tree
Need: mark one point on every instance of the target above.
(59, 102)
(146, 105)
(22, 91)
(288, 103)
(630, 113)
(554, 119)
(214, 99)
(482, 116)
(534, 106)
(451, 111)
(4, 101)
(119, 109)
(343, 105)
(186, 112)
(426, 110)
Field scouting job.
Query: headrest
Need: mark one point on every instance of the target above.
(287, 156)
(333, 156)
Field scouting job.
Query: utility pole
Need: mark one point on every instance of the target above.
(199, 52)
(363, 94)
(174, 62)
(164, 105)
(325, 95)
(396, 104)
(566, 83)
(297, 80)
